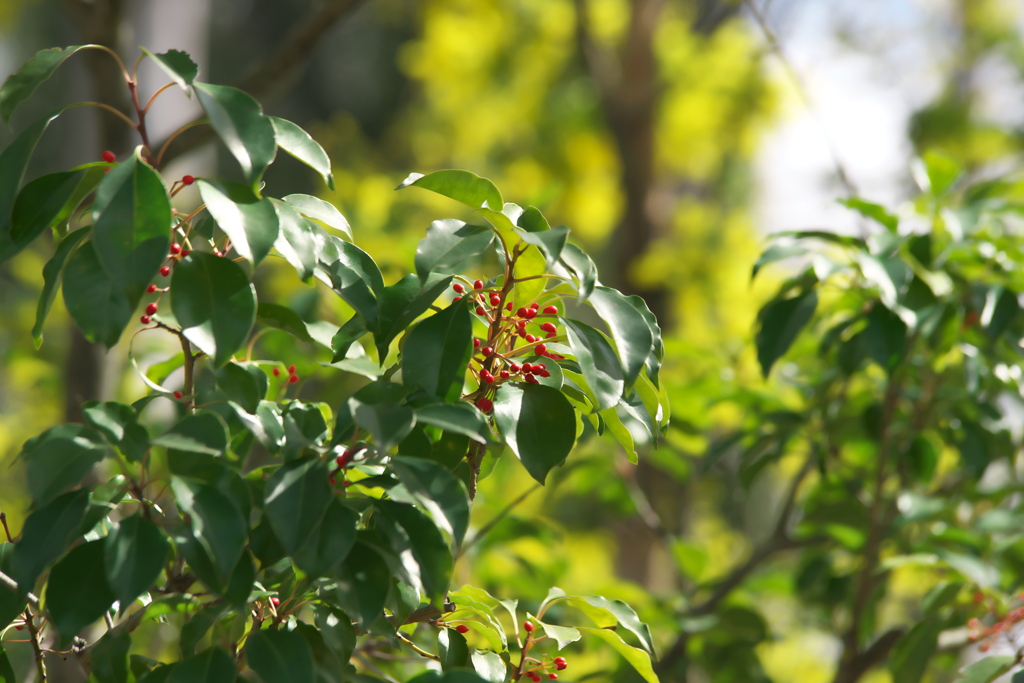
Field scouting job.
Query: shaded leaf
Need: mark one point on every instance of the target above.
(134, 556)
(436, 352)
(210, 666)
(296, 499)
(249, 220)
(53, 273)
(538, 423)
(629, 330)
(239, 122)
(279, 656)
(779, 323)
(20, 85)
(95, 301)
(70, 607)
(435, 490)
(448, 243)
(45, 535)
(597, 359)
(301, 145)
(176, 64)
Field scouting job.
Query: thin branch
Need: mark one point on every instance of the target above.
(37, 650)
(12, 585)
(497, 518)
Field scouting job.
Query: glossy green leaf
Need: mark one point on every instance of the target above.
(774, 253)
(239, 122)
(436, 352)
(214, 303)
(279, 657)
(301, 145)
(606, 612)
(986, 670)
(109, 658)
(72, 608)
(13, 162)
(401, 303)
(283, 318)
(538, 423)
(11, 604)
(176, 64)
(297, 239)
(363, 584)
(448, 243)
(597, 359)
(457, 418)
(119, 426)
(6, 670)
(531, 262)
(1001, 308)
(909, 658)
(347, 335)
(95, 301)
(330, 542)
(637, 658)
(53, 273)
(217, 523)
(47, 532)
(387, 422)
(297, 496)
(20, 85)
(421, 537)
(462, 186)
(875, 212)
(250, 221)
(452, 649)
(653, 362)
(134, 556)
(551, 242)
(58, 464)
(582, 268)
(435, 490)
(489, 666)
(779, 323)
(316, 208)
(209, 666)
(357, 279)
(629, 330)
(241, 384)
(37, 207)
(202, 432)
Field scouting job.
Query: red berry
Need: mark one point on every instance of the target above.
(145, 320)
(530, 339)
(187, 180)
(550, 335)
(178, 395)
(522, 312)
(528, 627)
(109, 157)
(342, 460)
(538, 366)
(185, 252)
(165, 271)
(540, 349)
(508, 306)
(485, 404)
(459, 289)
(560, 663)
(150, 289)
(973, 623)
(527, 368)
(476, 343)
(277, 372)
(486, 376)
(495, 299)
(456, 298)
(291, 369)
(462, 628)
(293, 379)
(514, 367)
(346, 484)
(551, 310)
(504, 374)
(553, 676)
(175, 248)
(535, 305)
(487, 351)
(478, 285)
(545, 373)
(18, 627)
(217, 252)
(532, 380)
(333, 481)
(275, 601)
(151, 308)
(531, 313)
(479, 310)
(549, 327)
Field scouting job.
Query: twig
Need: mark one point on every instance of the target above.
(37, 651)
(415, 648)
(12, 585)
(497, 518)
(7, 531)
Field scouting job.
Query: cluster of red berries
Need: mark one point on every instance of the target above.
(1001, 626)
(535, 674)
(348, 456)
(293, 377)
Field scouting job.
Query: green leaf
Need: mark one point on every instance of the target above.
(119, 426)
(217, 524)
(435, 490)
(45, 535)
(58, 464)
(279, 657)
(238, 121)
(200, 433)
(20, 85)
(1001, 308)
(357, 279)
(109, 658)
(283, 318)
(531, 262)
(601, 611)
(551, 242)
(318, 209)
(387, 422)
(38, 206)
(296, 499)
(875, 212)
(598, 361)
(330, 542)
(11, 604)
(400, 304)
(363, 584)
(241, 384)
(779, 323)
(909, 659)
(582, 268)
(134, 556)
(452, 649)
(250, 221)
(95, 301)
(657, 354)
(538, 423)
(13, 162)
(6, 670)
(637, 658)
(210, 666)
(462, 186)
(457, 418)
(776, 252)
(347, 335)
(214, 303)
(53, 273)
(448, 243)
(489, 665)
(176, 64)
(301, 145)
(935, 172)
(629, 330)
(436, 352)
(71, 607)
(421, 537)
(296, 240)
(986, 670)
(131, 231)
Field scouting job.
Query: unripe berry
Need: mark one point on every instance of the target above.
(459, 289)
(175, 248)
(178, 395)
(528, 626)
(145, 320)
(479, 310)
(504, 374)
(165, 271)
(293, 379)
(150, 289)
(549, 327)
(541, 349)
(551, 310)
(478, 284)
(109, 157)
(487, 351)
(462, 628)
(486, 376)
(151, 308)
(187, 180)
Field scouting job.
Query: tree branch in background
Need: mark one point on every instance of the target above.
(271, 71)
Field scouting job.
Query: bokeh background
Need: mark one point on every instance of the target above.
(671, 136)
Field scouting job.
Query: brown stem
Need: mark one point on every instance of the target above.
(474, 458)
(7, 530)
(37, 651)
(133, 87)
(190, 364)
